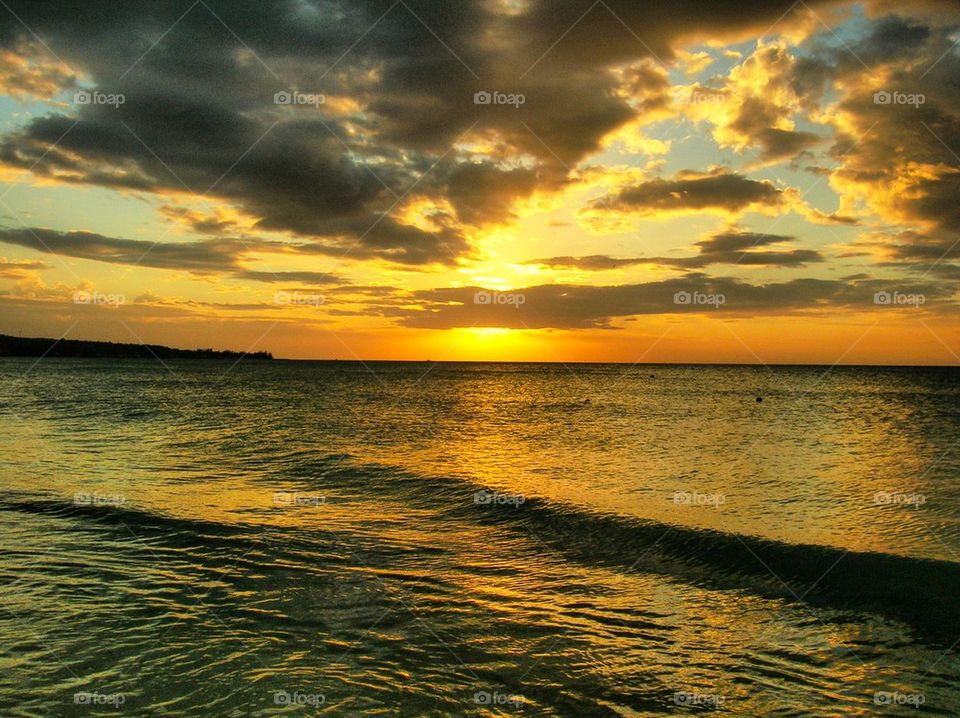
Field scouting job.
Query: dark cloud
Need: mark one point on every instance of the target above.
(594, 262)
(889, 38)
(312, 278)
(898, 159)
(207, 257)
(212, 256)
(732, 247)
(778, 144)
(732, 241)
(482, 193)
(690, 190)
(756, 119)
(736, 247)
(559, 306)
(399, 79)
(945, 271)
(293, 179)
(385, 238)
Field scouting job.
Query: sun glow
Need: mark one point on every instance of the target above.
(488, 331)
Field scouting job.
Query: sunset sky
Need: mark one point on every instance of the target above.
(761, 181)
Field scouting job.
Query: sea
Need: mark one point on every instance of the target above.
(259, 538)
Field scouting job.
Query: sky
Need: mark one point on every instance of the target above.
(752, 181)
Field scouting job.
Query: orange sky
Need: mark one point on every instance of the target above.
(516, 181)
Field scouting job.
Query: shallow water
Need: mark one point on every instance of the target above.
(197, 538)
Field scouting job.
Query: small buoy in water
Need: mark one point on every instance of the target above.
(759, 399)
(586, 401)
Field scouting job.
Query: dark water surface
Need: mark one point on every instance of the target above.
(314, 538)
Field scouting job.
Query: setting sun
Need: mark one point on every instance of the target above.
(487, 358)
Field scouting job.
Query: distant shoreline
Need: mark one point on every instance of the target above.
(11, 346)
(36, 347)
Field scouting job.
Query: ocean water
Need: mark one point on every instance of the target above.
(333, 538)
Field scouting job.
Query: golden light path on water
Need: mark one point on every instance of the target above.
(442, 539)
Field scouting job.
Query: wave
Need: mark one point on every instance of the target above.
(104, 513)
(917, 591)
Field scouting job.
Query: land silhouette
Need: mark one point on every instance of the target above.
(11, 346)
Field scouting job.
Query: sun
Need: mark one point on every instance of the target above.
(488, 331)
(490, 344)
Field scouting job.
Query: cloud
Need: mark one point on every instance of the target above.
(293, 179)
(593, 262)
(28, 72)
(222, 256)
(756, 104)
(390, 240)
(482, 193)
(400, 165)
(778, 144)
(897, 160)
(730, 247)
(738, 247)
(563, 306)
(312, 278)
(399, 119)
(691, 191)
(219, 223)
(19, 270)
(200, 257)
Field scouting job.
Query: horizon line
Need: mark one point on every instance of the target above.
(359, 360)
